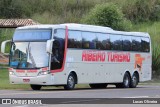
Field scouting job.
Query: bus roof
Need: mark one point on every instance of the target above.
(84, 27)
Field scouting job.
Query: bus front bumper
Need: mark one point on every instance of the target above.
(38, 80)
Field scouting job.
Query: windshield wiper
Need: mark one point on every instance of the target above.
(31, 56)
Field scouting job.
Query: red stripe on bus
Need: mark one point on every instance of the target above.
(10, 69)
(31, 71)
(65, 53)
(44, 69)
(20, 71)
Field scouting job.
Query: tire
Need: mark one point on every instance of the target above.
(134, 81)
(71, 81)
(125, 83)
(35, 87)
(98, 86)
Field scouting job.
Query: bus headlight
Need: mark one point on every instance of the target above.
(11, 73)
(43, 73)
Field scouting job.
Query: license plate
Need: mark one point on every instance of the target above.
(26, 80)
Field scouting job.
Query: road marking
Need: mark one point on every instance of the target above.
(79, 101)
(137, 97)
(29, 93)
(158, 96)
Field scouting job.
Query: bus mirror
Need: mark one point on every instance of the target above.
(49, 46)
(3, 47)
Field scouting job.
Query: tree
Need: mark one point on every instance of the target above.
(12, 9)
(107, 15)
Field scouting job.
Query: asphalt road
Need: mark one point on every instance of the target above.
(142, 91)
(84, 94)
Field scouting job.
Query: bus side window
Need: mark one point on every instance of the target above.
(58, 49)
(103, 41)
(116, 42)
(74, 39)
(136, 44)
(126, 43)
(145, 44)
(88, 40)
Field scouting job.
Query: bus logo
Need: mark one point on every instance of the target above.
(118, 57)
(93, 56)
(100, 56)
(138, 61)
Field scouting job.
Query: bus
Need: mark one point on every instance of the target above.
(69, 54)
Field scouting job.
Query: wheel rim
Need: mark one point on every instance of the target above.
(134, 80)
(71, 81)
(126, 81)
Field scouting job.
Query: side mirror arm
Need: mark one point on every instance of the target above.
(3, 47)
(49, 46)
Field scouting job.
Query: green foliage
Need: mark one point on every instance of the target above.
(65, 11)
(156, 59)
(142, 10)
(153, 28)
(107, 15)
(4, 84)
(12, 9)
(155, 15)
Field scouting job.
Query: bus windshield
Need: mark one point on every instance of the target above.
(28, 55)
(28, 48)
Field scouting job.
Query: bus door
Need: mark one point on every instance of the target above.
(58, 48)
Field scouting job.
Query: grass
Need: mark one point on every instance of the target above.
(153, 28)
(4, 81)
(154, 81)
(3, 65)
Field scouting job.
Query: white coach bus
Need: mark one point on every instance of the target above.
(69, 54)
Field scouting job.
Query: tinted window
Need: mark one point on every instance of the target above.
(88, 40)
(59, 35)
(32, 35)
(145, 44)
(103, 42)
(136, 44)
(74, 39)
(116, 42)
(126, 43)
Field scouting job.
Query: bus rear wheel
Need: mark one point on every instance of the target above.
(134, 81)
(98, 86)
(71, 81)
(35, 87)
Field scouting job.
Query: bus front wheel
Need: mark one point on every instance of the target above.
(35, 87)
(71, 81)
